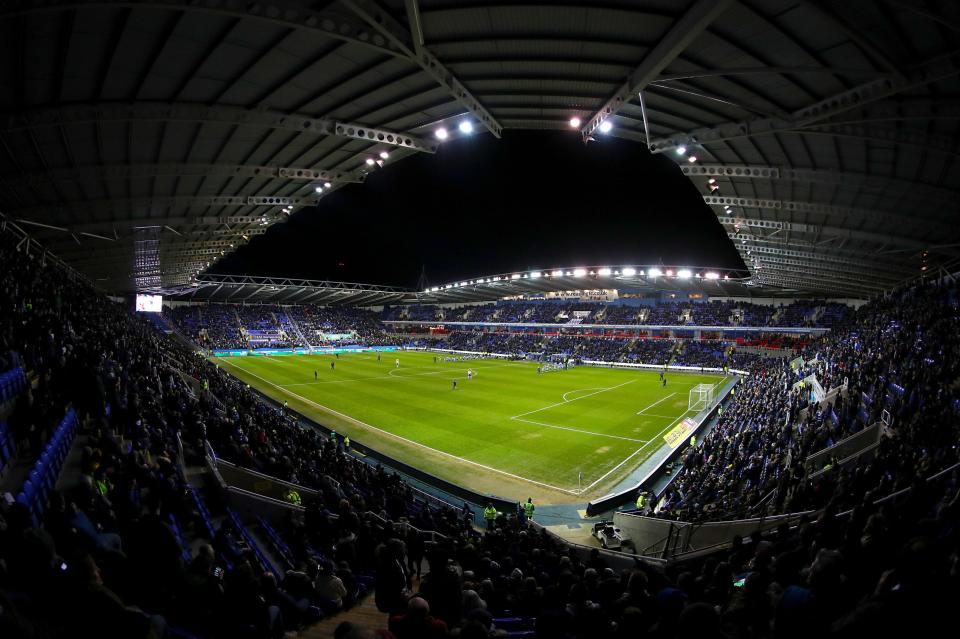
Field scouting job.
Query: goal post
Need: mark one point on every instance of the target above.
(701, 397)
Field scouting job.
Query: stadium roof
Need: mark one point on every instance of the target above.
(142, 141)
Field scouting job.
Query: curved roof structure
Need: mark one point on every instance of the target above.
(141, 141)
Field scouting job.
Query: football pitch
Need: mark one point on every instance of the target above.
(508, 431)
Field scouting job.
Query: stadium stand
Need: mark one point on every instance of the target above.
(110, 532)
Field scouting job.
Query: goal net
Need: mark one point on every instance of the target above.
(701, 397)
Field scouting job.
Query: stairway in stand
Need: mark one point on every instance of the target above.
(364, 614)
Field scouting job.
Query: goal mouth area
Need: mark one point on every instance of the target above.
(701, 397)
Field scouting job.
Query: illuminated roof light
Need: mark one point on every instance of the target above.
(557, 273)
(525, 276)
(629, 271)
(441, 133)
(669, 272)
(579, 272)
(712, 275)
(712, 181)
(575, 122)
(515, 276)
(466, 127)
(535, 274)
(692, 159)
(370, 161)
(604, 272)
(684, 274)
(384, 155)
(726, 277)
(681, 150)
(606, 126)
(654, 272)
(319, 189)
(327, 185)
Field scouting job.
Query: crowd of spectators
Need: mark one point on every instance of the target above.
(228, 326)
(110, 559)
(811, 313)
(899, 355)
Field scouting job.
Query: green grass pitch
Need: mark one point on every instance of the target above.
(506, 424)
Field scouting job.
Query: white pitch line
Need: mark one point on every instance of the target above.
(574, 400)
(656, 402)
(404, 439)
(564, 396)
(577, 430)
(655, 438)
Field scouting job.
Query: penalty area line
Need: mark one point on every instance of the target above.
(404, 439)
(641, 412)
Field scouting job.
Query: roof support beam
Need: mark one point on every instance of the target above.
(806, 285)
(197, 113)
(805, 266)
(778, 250)
(329, 23)
(811, 176)
(854, 98)
(183, 201)
(122, 172)
(399, 37)
(684, 31)
(827, 210)
(846, 279)
(820, 230)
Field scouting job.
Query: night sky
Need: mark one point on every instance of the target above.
(482, 206)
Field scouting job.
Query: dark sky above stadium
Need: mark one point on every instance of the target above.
(482, 206)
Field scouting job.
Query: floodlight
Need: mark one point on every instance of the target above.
(466, 127)
(681, 150)
(712, 276)
(654, 272)
(441, 133)
(606, 126)
(575, 122)
(684, 274)
(669, 272)
(535, 274)
(384, 155)
(712, 180)
(692, 159)
(515, 276)
(579, 272)
(319, 189)
(370, 161)
(629, 271)
(327, 185)
(604, 272)
(557, 273)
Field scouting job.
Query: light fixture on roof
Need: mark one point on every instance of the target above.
(654, 272)
(535, 274)
(692, 159)
(441, 133)
(370, 161)
(629, 271)
(681, 150)
(606, 126)
(574, 122)
(319, 189)
(384, 155)
(712, 181)
(515, 276)
(579, 272)
(327, 185)
(604, 271)
(684, 274)
(557, 273)
(466, 127)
